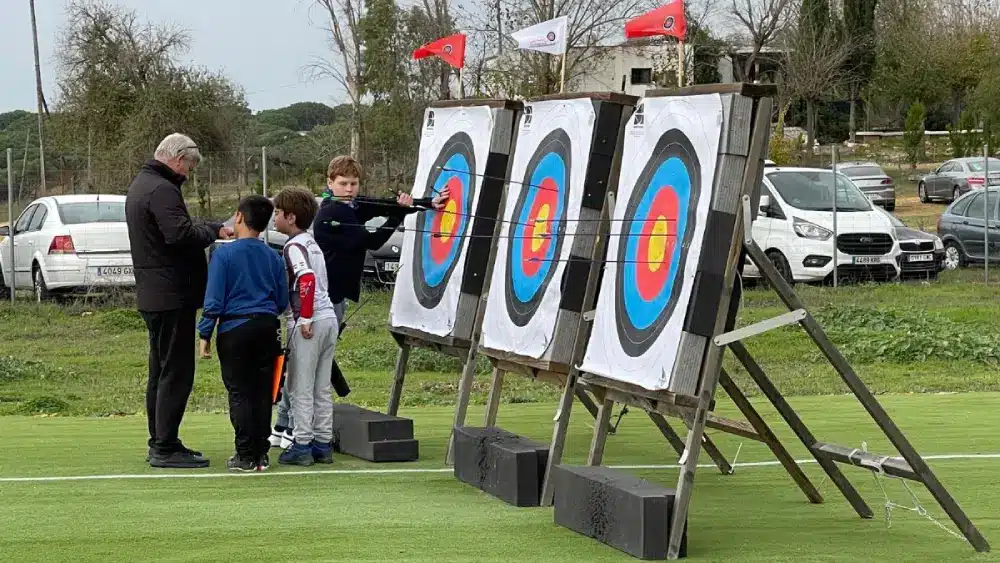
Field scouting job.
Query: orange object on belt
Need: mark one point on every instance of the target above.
(279, 370)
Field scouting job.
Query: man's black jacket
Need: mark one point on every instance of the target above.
(168, 249)
(339, 229)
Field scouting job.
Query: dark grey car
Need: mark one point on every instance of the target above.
(962, 228)
(957, 177)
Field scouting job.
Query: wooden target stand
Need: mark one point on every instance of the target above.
(592, 233)
(472, 305)
(696, 409)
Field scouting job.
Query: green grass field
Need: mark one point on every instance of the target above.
(72, 380)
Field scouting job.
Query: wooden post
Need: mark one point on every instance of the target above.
(397, 385)
(712, 368)
(600, 432)
(493, 403)
(462, 402)
(680, 64)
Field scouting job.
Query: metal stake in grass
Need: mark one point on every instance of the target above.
(986, 214)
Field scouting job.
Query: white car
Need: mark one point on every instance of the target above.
(64, 244)
(795, 228)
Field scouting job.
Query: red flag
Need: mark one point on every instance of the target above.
(665, 20)
(451, 49)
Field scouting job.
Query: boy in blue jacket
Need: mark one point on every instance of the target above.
(247, 290)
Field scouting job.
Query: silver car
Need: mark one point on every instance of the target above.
(872, 181)
(956, 177)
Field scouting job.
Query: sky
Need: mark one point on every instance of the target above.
(264, 49)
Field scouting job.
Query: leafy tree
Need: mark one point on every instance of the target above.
(913, 136)
(859, 29)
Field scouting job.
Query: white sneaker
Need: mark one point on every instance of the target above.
(280, 439)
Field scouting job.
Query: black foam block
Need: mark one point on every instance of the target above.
(706, 293)
(615, 508)
(505, 465)
(482, 229)
(574, 284)
(373, 436)
(607, 127)
(718, 237)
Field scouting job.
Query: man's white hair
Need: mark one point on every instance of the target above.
(178, 145)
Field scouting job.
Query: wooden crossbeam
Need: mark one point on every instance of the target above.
(893, 466)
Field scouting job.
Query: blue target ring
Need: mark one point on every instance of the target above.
(659, 222)
(538, 226)
(440, 234)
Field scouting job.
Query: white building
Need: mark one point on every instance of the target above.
(628, 68)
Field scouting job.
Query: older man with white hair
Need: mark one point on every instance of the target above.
(168, 254)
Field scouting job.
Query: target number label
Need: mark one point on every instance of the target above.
(440, 234)
(656, 232)
(538, 226)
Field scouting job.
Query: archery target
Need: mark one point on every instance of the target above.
(541, 213)
(440, 234)
(657, 233)
(537, 231)
(454, 147)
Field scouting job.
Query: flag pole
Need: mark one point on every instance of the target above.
(461, 82)
(680, 64)
(562, 74)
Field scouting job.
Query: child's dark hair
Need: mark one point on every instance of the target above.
(256, 211)
(300, 202)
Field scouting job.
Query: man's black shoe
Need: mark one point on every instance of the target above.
(177, 460)
(180, 447)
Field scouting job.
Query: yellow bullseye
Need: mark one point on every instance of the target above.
(657, 244)
(540, 229)
(448, 220)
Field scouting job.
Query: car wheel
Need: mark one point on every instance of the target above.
(781, 264)
(891, 206)
(41, 290)
(954, 258)
(922, 193)
(955, 193)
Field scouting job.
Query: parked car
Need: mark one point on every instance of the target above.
(872, 181)
(921, 254)
(957, 177)
(68, 244)
(795, 228)
(962, 228)
(381, 265)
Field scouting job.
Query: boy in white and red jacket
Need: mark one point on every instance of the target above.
(312, 332)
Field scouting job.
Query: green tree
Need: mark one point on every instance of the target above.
(913, 136)
(859, 30)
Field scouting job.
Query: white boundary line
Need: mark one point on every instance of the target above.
(125, 476)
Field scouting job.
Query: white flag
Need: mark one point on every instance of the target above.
(547, 37)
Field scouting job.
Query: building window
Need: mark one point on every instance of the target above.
(642, 76)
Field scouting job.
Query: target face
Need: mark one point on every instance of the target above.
(440, 234)
(538, 226)
(656, 232)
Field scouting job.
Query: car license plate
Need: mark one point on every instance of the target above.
(920, 258)
(867, 260)
(114, 271)
(392, 267)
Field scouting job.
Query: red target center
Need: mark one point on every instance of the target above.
(536, 233)
(445, 224)
(657, 240)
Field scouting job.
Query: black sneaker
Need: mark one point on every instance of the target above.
(243, 464)
(177, 460)
(263, 463)
(180, 447)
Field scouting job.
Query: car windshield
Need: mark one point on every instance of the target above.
(92, 212)
(861, 171)
(812, 190)
(979, 165)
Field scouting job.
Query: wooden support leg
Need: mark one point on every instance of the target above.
(588, 403)
(493, 403)
(558, 437)
(462, 403)
(795, 423)
(397, 384)
(779, 451)
(600, 432)
(675, 442)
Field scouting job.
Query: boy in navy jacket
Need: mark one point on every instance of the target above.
(247, 290)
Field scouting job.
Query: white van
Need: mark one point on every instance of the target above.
(795, 228)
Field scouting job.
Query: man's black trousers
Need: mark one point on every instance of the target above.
(171, 374)
(247, 355)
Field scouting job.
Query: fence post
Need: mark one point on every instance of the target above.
(10, 218)
(833, 167)
(986, 214)
(263, 175)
